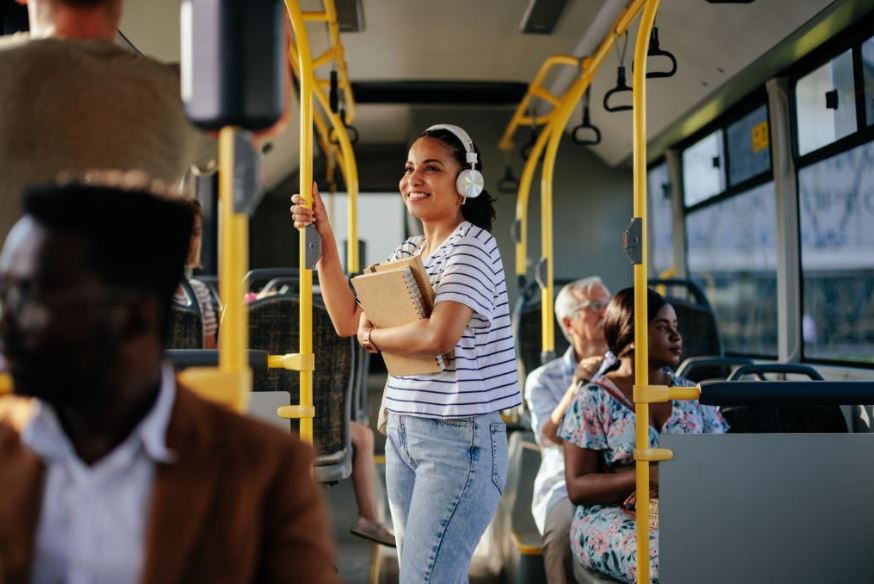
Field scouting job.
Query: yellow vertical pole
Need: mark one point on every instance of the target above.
(234, 227)
(522, 200)
(351, 176)
(547, 322)
(305, 189)
(641, 324)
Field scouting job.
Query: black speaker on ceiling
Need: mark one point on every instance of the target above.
(541, 16)
(234, 62)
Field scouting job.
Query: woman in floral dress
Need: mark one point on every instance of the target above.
(598, 433)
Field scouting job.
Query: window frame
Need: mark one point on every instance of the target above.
(864, 134)
(661, 160)
(753, 101)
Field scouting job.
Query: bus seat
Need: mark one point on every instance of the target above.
(273, 326)
(697, 325)
(710, 367)
(585, 576)
(526, 330)
(360, 405)
(186, 328)
(786, 418)
(521, 552)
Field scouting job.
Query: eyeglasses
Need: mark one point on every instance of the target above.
(591, 305)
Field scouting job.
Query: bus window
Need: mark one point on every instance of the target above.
(825, 104)
(661, 241)
(749, 152)
(732, 253)
(381, 220)
(868, 73)
(703, 174)
(836, 209)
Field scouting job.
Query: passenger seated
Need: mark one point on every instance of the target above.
(202, 297)
(117, 473)
(599, 438)
(579, 310)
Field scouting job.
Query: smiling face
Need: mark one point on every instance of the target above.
(428, 183)
(665, 342)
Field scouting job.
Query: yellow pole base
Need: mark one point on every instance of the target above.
(231, 389)
(296, 412)
(292, 362)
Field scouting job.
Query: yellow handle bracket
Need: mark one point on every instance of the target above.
(315, 16)
(296, 412)
(5, 383)
(292, 362)
(650, 394)
(229, 388)
(653, 454)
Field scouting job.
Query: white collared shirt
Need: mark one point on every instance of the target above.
(92, 526)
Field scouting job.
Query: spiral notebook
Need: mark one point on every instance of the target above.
(392, 298)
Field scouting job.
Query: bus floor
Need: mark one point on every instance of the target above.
(361, 561)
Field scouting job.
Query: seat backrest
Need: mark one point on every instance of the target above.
(186, 328)
(700, 333)
(527, 331)
(273, 326)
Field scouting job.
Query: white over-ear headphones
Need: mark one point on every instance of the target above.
(470, 182)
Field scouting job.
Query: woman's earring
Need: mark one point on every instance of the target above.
(463, 200)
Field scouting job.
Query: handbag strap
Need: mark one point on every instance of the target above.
(617, 394)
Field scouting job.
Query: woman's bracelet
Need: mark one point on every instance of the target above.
(370, 341)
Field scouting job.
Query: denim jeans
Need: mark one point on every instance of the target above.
(444, 480)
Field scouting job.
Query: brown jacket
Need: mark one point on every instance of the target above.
(238, 505)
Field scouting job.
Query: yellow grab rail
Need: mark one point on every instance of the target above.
(348, 167)
(535, 89)
(561, 116)
(231, 383)
(644, 394)
(307, 82)
(522, 203)
(334, 52)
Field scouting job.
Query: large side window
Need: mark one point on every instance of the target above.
(749, 151)
(868, 75)
(703, 169)
(660, 232)
(732, 252)
(825, 104)
(836, 208)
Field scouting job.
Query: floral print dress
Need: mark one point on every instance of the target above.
(603, 536)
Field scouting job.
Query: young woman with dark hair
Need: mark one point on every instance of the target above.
(599, 438)
(446, 453)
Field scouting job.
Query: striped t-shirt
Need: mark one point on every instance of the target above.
(481, 377)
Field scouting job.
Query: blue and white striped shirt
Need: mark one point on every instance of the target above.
(481, 377)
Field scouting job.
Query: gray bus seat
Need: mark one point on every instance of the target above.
(521, 545)
(273, 327)
(767, 509)
(527, 330)
(585, 576)
(710, 367)
(758, 418)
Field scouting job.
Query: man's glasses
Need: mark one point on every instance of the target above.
(591, 305)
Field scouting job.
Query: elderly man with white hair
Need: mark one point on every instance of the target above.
(549, 389)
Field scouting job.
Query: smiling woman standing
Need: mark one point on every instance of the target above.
(446, 453)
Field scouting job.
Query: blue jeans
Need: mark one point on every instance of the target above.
(444, 480)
